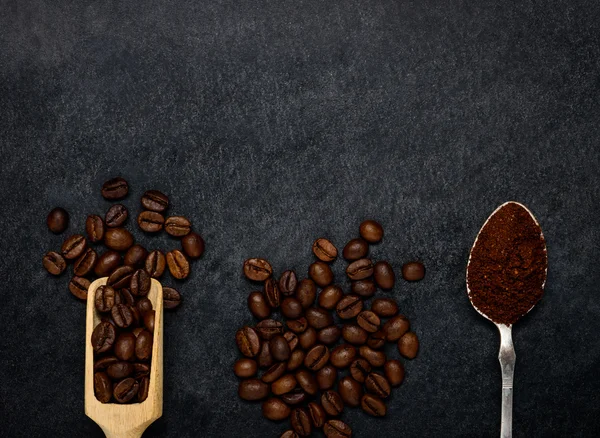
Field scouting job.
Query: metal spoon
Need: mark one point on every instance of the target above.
(506, 356)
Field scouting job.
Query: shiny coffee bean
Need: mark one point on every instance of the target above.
(307, 382)
(107, 263)
(143, 389)
(253, 389)
(105, 298)
(291, 308)
(324, 250)
(413, 271)
(384, 307)
(94, 227)
(155, 264)
(318, 318)
(149, 318)
(271, 293)
(125, 390)
(294, 397)
(337, 429)
(371, 231)
(376, 340)
(143, 305)
(329, 297)
(104, 362)
(394, 372)
(122, 315)
(306, 293)
(356, 249)
(118, 239)
(276, 410)
(143, 345)
(378, 385)
(57, 220)
(384, 275)
(193, 245)
(274, 372)
(308, 338)
(125, 346)
(360, 269)
(116, 216)
(292, 340)
(408, 345)
(140, 283)
(284, 384)
(329, 335)
(368, 321)
(178, 226)
(136, 256)
(349, 307)
(317, 414)
(154, 200)
(54, 263)
(373, 405)
(178, 264)
(120, 278)
(354, 334)
(269, 328)
(296, 360)
(85, 263)
(376, 358)
(289, 434)
(360, 369)
(171, 298)
(245, 367)
(247, 341)
(300, 421)
(365, 288)
(342, 356)
(288, 282)
(351, 391)
(395, 328)
(73, 247)
(103, 337)
(137, 316)
(120, 370)
(321, 273)
(332, 403)
(297, 325)
(79, 286)
(280, 348)
(316, 358)
(265, 358)
(150, 221)
(115, 188)
(140, 370)
(258, 305)
(127, 297)
(326, 377)
(103, 387)
(257, 269)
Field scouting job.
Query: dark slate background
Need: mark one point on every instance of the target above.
(271, 123)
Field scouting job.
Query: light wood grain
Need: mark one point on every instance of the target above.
(131, 420)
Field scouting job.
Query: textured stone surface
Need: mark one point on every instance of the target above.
(273, 123)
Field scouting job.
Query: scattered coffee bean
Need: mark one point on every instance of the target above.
(291, 339)
(171, 298)
(332, 403)
(139, 283)
(373, 405)
(274, 372)
(296, 360)
(306, 293)
(395, 328)
(57, 220)
(85, 263)
(297, 325)
(384, 307)
(288, 282)
(79, 286)
(284, 384)
(105, 298)
(258, 305)
(276, 410)
(413, 271)
(394, 372)
(326, 377)
(356, 249)
(253, 389)
(368, 321)
(317, 414)
(178, 226)
(329, 297)
(316, 358)
(324, 250)
(408, 345)
(94, 227)
(269, 328)
(308, 338)
(107, 263)
(271, 293)
(360, 269)
(360, 369)
(376, 358)
(337, 429)
(193, 245)
(54, 263)
(280, 348)
(155, 201)
(365, 288)
(354, 334)
(329, 335)
(257, 269)
(376, 340)
(155, 264)
(342, 356)
(150, 221)
(320, 273)
(245, 367)
(300, 421)
(384, 275)
(349, 307)
(318, 318)
(136, 256)
(265, 358)
(307, 381)
(294, 397)
(291, 308)
(371, 231)
(351, 391)
(121, 277)
(115, 189)
(378, 385)
(118, 239)
(73, 247)
(248, 341)
(116, 216)
(178, 264)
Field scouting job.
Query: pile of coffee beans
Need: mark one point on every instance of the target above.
(325, 354)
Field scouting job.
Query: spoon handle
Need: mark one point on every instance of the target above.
(507, 358)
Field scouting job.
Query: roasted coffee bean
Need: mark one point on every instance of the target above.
(120, 370)
(291, 339)
(376, 358)
(371, 231)
(245, 367)
(127, 297)
(103, 387)
(280, 348)
(324, 250)
(378, 385)
(136, 331)
(115, 188)
(57, 220)
(376, 340)
(116, 216)
(137, 316)
(274, 409)
(297, 325)
(118, 239)
(268, 328)
(284, 384)
(155, 201)
(155, 264)
(274, 372)
(149, 318)
(316, 358)
(171, 298)
(140, 283)
(125, 390)
(384, 307)
(337, 429)
(329, 297)
(351, 391)
(54, 263)
(320, 273)
(408, 345)
(79, 286)
(125, 346)
(178, 226)
(394, 372)
(317, 414)
(291, 308)
(257, 269)
(364, 288)
(360, 369)
(105, 298)
(342, 356)
(265, 358)
(193, 245)
(288, 282)
(318, 318)
(247, 341)
(329, 335)
(107, 263)
(94, 227)
(150, 221)
(121, 277)
(103, 337)
(373, 405)
(253, 389)
(122, 315)
(308, 338)
(143, 345)
(326, 377)
(143, 389)
(332, 403)
(368, 321)
(140, 370)
(289, 434)
(413, 271)
(258, 305)
(296, 360)
(360, 269)
(307, 382)
(300, 421)
(356, 249)
(306, 293)
(294, 397)
(272, 294)
(85, 263)
(384, 275)
(178, 264)
(395, 328)
(136, 256)
(104, 362)
(349, 306)
(73, 247)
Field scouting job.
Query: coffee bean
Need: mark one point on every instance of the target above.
(297, 325)
(324, 250)
(291, 339)
(125, 390)
(318, 318)
(143, 345)
(118, 239)
(306, 293)
(384, 275)
(120, 370)
(332, 403)
(121, 277)
(258, 305)
(103, 387)
(349, 306)
(320, 273)
(149, 318)
(368, 321)
(284, 384)
(308, 338)
(57, 220)
(257, 269)
(364, 288)
(276, 410)
(54, 263)
(178, 264)
(150, 221)
(395, 328)
(279, 348)
(269, 328)
(316, 358)
(137, 316)
(375, 358)
(351, 391)
(288, 283)
(307, 382)
(155, 201)
(125, 346)
(155, 264)
(143, 305)
(384, 307)
(291, 308)
(127, 297)
(329, 335)
(245, 367)
(413, 271)
(378, 385)
(300, 421)
(73, 247)
(116, 216)
(326, 377)
(360, 369)
(296, 360)
(105, 298)
(360, 269)
(394, 372)
(354, 334)
(85, 263)
(294, 397)
(104, 362)
(140, 283)
(107, 263)
(178, 226)
(114, 189)
(342, 356)
(274, 372)
(253, 389)
(265, 358)
(317, 414)
(122, 315)
(140, 370)
(103, 337)
(94, 227)
(135, 256)
(373, 405)
(371, 231)
(337, 429)
(193, 245)
(247, 341)
(408, 345)
(272, 294)
(376, 340)
(79, 286)
(356, 249)
(329, 297)
(289, 434)
(171, 298)
(143, 389)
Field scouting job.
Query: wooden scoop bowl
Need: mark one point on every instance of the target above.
(125, 420)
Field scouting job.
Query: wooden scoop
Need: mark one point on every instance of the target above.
(127, 420)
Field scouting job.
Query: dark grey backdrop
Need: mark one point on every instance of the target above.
(271, 123)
